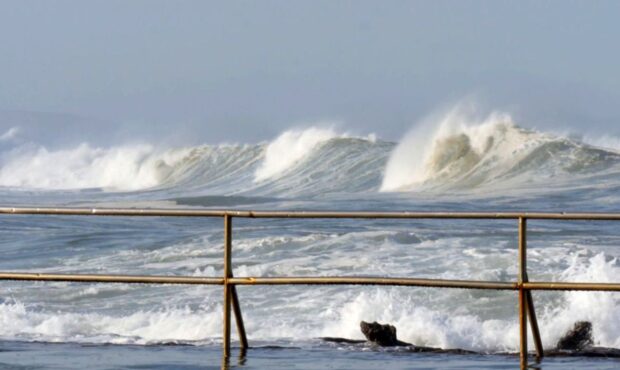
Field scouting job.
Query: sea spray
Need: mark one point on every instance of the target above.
(457, 151)
(9, 135)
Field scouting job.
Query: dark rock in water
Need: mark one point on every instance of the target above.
(341, 340)
(383, 335)
(603, 352)
(577, 342)
(578, 338)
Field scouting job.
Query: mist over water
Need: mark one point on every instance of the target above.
(452, 161)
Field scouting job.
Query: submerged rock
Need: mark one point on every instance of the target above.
(383, 335)
(578, 341)
(578, 338)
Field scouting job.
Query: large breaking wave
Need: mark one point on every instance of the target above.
(458, 152)
(451, 152)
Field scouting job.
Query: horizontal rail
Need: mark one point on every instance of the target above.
(129, 279)
(311, 280)
(543, 285)
(440, 283)
(307, 214)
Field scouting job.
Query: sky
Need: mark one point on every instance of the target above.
(243, 71)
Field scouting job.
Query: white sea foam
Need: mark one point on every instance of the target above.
(484, 321)
(142, 327)
(459, 327)
(289, 148)
(128, 167)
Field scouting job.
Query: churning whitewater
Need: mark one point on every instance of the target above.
(450, 163)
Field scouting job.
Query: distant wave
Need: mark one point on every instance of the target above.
(457, 152)
(295, 162)
(449, 153)
(117, 168)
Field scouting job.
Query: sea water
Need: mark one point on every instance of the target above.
(454, 164)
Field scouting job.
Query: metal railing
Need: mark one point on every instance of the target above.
(229, 282)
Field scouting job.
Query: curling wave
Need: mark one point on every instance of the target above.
(462, 153)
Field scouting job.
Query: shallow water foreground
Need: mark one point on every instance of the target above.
(37, 355)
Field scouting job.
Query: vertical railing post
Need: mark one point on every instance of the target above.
(522, 292)
(227, 287)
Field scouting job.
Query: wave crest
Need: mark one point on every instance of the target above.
(454, 152)
(289, 148)
(459, 152)
(118, 168)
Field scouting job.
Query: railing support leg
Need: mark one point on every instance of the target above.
(522, 293)
(243, 339)
(227, 287)
(531, 311)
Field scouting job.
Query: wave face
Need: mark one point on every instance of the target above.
(462, 153)
(297, 162)
(453, 152)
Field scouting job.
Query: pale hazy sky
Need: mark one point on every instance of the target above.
(245, 70)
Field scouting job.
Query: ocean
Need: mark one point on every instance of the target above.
(490, 165)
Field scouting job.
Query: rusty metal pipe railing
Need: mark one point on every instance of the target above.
(230, 293)
(153, 212)
(354, 280)
(125, 279)
(310, 280)
(592, 287)
(227, 286)
(531, 313)
(243, 339)
(522, 292)
(229, 282)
